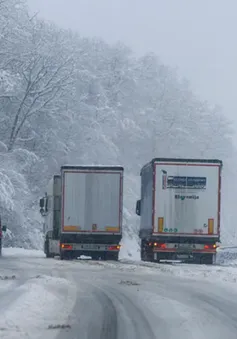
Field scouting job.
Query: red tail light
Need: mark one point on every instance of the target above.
(209, 246)
(66, 246)
(114, 248)
(159, 245)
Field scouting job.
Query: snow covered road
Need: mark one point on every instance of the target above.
(53, 299)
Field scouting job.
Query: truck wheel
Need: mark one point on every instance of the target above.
(146, 256)
(143, 251)
(46, 250)
(146, 252)
(66, 256)
(112, 256)
(206, 259)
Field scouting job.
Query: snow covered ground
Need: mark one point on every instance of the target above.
(29, 304)
(224, 272)
(35, 308)
(37, 305)
(22, 252)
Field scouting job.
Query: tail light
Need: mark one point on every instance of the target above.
(159, 245)
(114, 248)
(210, 246)
(66, 246)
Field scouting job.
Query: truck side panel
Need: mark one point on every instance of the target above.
(92, 201)
(146, 198)
(187, 199)
(48, 223)
(57, 207)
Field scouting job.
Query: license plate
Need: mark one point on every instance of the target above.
(185, 247)
(90, 246)
(183, 256)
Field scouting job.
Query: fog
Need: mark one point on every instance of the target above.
(197, 37)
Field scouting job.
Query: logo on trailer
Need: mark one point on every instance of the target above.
(183, 197)
(179, 182)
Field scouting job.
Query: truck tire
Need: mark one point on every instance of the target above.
(146, 253)
(47, 252)
(206, 259)
(112, 256)
(66, 256)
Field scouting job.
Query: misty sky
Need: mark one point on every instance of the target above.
(197, 36)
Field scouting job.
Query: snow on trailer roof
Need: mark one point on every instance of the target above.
(95, 167)
(184, 160)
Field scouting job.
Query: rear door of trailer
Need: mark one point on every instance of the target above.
(92, 200)
(186, 199)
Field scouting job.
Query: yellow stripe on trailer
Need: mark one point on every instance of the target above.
(160, 225)
(112, 229)
(210, 226)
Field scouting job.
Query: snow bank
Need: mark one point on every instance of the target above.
(199, 272)
(219, 273)
(22, 252)
(7, 281)
(224, 272)
(40, 310)
(129, 249)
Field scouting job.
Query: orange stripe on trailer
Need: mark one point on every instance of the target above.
(210, 226)
(112, 229)
(71, 228)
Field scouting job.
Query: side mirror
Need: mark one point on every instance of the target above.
(4, 228)
(41, 204)
(42, 211)
(138, 207)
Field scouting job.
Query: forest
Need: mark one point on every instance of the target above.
(67, 99)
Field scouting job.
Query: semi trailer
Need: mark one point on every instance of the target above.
(180, 209)
(82, 212)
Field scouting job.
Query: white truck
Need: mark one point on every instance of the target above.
(179, 210)
(82, 209)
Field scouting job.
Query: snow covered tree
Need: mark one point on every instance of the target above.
(64, 98)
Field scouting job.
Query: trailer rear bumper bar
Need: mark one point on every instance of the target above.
(168, 250)
(95, 251)
(90, 247)
(188, 257)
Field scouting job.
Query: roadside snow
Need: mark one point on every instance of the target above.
(22, 252)
(42, 307)
(7, 281)
(130, 248)
(198, 272)
(221, 274)
(225, 272)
